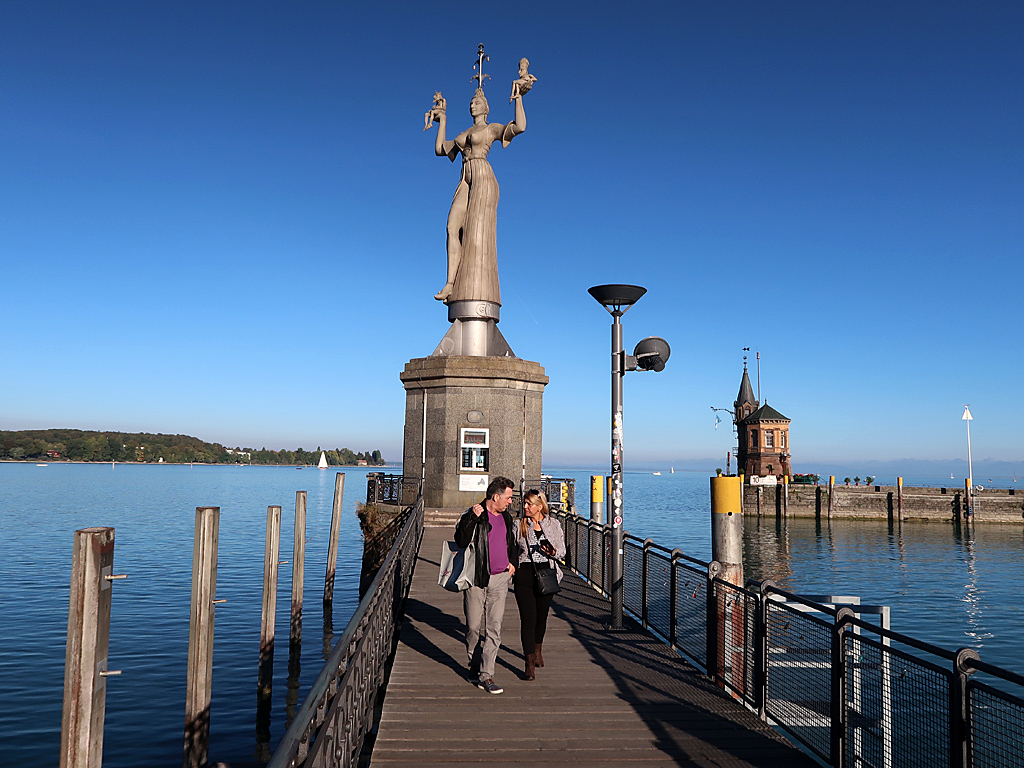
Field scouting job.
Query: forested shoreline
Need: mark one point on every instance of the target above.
(83, 445)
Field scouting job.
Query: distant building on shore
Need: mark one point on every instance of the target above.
(762, 434)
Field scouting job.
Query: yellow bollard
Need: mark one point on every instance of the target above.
(727, 527)
(597, 498)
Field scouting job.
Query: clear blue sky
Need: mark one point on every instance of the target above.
(224, 219)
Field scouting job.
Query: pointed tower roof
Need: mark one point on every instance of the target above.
(746, 394)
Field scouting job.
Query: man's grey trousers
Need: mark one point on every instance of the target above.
(485, 608)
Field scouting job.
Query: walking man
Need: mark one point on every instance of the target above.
(490, 529)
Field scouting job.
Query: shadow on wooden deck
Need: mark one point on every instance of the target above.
(603, 699)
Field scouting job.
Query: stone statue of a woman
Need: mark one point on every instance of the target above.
(473, 218)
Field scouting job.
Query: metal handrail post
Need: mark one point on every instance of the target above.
(761, 656)
(959, 714)
(837, 731)
(711, 621)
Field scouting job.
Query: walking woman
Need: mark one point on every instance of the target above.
(540, 545)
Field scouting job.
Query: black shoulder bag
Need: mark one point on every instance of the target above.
(544, 574)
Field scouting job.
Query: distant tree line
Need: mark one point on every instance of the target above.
(80, 445)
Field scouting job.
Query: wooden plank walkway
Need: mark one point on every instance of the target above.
(602, 699)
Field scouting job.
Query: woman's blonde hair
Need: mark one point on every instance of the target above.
(532, 496)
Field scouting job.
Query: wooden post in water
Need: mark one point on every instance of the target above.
(271, 555)
(298, 566)
(332, 545)
(759, 501)
(85, 661)
(785, 495)
(199, 685)
(831, 493)
(899, 499)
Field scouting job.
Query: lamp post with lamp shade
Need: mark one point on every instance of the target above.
(649, 355)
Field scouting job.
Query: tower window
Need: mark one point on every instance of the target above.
(769, 439)
(753, 438)
(782, 439)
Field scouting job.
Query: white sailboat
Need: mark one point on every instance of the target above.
(672, 471)
(323, 460)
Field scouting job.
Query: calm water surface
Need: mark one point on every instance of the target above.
(951, 586)
(152, 508)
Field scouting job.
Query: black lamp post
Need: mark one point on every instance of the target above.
(649, 355)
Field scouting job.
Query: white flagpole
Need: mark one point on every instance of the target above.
(970, 464)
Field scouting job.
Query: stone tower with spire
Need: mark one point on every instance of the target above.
(762, 434)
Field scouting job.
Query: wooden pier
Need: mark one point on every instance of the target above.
(603, 699)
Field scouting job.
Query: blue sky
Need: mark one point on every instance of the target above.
(224, 219)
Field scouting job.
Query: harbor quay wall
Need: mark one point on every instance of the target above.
(874, 502)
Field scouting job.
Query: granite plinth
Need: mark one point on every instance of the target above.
(503, 395)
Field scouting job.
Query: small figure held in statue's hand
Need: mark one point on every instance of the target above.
(435, 112)
(525, 81)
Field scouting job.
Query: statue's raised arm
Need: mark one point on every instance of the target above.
(472, 219)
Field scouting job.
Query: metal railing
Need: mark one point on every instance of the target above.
(559, 491)
(336, 715)
(391, 489)
(851, 692)
(383, 489)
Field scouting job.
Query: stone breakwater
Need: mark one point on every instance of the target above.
(875, 502)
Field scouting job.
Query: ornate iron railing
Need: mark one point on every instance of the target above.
(391, 489)
(383, 489)
(333, 721)
(851, 692)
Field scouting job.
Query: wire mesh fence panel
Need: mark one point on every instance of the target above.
(799, 680)
(597, 557)
(737, 612)
(659, 592)
(606, 555)
(869, 721)
(919, 693)
(632, 573)
(692, 613)
(996, 727)
(579, 543)
(583, 553)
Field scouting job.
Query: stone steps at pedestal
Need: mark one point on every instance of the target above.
(442, 518)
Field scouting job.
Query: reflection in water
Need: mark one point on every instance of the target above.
(963, 535)
(291, 699)
(328, 629)
(264, 686)
(766, 549)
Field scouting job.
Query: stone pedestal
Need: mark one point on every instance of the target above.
(500, 395)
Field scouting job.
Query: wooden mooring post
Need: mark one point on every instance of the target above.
(831, 493)
(298, 566)
(85, 661)
(271, 555)
(332, 546)
(199, 685)
(899, 499)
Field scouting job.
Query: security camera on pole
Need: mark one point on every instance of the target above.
(651, 354)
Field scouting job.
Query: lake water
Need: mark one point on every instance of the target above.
(950, 586)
